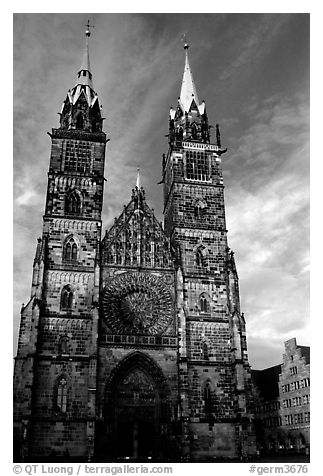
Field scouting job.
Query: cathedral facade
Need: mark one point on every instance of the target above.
(133, 345)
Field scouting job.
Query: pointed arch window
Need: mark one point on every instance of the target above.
(194, 131)
(74, 203)
(79, 122)
(67, 298)
(205, 351)
(204, 303)
(61, 395)
(207, 397)
(201, 257)
(119, 252)
(179, 134)
(199, 209)
(70, 250)
(64, 345)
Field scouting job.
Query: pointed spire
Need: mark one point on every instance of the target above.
(85, 66)
(188, 90)
(138, 178)
(75, 114)
(84, 73)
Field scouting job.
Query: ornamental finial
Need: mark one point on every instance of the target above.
(88, 26)
(138, 178)
(184, 39)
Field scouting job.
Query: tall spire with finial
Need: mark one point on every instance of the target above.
(84, 74)
(188, 89)
(189, 120)
(81, 109)
(138, 178)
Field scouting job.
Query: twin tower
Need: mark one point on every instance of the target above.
(132, 345)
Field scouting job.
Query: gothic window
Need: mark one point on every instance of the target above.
(201, 257)
(70, 250)
(207, 397)
(61, 395)
(180, 133)
(119, 252)
(204, 302)
(79, 122)
(148, 259)
(67, 298)
(199, 209)
(194, 131)
(197, 166)
(77, 156)
(205, 351)
(74, 203)
(64, 345)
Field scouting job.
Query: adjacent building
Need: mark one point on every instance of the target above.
(282, 402)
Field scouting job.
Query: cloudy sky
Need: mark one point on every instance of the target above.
(253, 72)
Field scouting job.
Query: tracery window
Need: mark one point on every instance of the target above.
(199, 209)
(201, 257)
(197, 166)
(67, 298)
(77, 155)
(204, 302)
(205, 350)
(61, 396)
(74, 203)
(70, 250)
(64, 345)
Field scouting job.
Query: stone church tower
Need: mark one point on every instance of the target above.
(133, 346)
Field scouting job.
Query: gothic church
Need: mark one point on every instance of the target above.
(132, 345)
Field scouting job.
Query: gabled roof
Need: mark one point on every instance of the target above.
(137, 239)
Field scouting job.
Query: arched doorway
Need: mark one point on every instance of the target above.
(136, 410)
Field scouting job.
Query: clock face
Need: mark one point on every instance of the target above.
(137, 303)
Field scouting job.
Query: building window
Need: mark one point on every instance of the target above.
(74, 203)
(199, 209)
(197, 166)
(288, 419)
(286, 388)
(306, 399)
(204, 303)
(205, 351)
(305, 383)
(293, 370)
(61, 398)
(67, 298)
(207, 397)
(307, 417)
(64, 345)
(78, 156)
(296, 401)
(201, 257)
(70, 251)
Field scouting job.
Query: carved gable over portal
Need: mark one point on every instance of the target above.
(137, 239)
